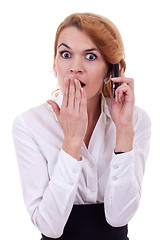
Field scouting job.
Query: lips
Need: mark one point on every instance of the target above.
(82, 84)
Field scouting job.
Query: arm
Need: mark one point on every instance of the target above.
(48, 200)
(123, 190)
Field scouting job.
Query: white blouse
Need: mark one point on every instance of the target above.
(52, 180)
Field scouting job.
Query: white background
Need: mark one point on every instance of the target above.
(27, 30)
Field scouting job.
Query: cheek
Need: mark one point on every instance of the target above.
(97, 78)
(99, 74)
(61, 82)
(61, 71)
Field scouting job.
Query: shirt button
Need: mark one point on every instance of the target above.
(114, 178)
(115, 166)
(71, 183)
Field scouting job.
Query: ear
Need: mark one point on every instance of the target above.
(54, 69)
(54, 66)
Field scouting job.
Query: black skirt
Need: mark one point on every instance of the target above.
(87, 222)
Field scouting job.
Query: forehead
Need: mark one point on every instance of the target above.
(74, 37)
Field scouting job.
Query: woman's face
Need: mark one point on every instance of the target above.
(77, 55)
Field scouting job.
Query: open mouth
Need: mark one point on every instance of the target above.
(82, 84)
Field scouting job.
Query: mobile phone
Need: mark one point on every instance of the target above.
(114, 86)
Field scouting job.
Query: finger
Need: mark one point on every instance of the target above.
(71, 93)
(83, 104)
(121, 79)
(55, 107)
(123, 92)
(77, 95)
(65, 94)
(111, 93)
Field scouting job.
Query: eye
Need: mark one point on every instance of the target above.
(91, 56)
(65, 54)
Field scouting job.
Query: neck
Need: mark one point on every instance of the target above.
(94, 107)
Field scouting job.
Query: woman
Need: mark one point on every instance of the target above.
(82, 156)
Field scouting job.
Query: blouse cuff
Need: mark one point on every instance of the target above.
(67, 169)
(122, 168)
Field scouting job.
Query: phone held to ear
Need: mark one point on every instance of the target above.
(114, 86)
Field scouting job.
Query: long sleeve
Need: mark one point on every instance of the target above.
(48, 199)
(123, 189)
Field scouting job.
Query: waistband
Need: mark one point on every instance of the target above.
(87, 222)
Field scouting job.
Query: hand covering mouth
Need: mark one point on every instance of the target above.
(82, 84)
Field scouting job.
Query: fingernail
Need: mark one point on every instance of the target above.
(106, 80)
(66, 80)
(76, 81)
(82, 90)
(48, 101)
(72, 78)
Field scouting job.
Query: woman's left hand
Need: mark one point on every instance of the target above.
(122, 107)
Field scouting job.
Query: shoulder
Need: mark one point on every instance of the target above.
(142, 124)
(35, 117)
(141, 115)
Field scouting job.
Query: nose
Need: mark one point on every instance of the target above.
(76, 66)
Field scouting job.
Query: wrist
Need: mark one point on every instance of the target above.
(124, 139)
(72, 147)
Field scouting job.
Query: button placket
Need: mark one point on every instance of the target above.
(92, 183)
(114, 178)
(115, 166)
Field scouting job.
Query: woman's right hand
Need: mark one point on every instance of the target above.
(72, 116)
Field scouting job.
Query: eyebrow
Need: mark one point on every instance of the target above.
(65, 45)
(90, 50)
(87, 50)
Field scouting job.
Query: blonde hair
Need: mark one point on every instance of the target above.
(103, 33)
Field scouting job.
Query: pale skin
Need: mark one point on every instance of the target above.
(80, 63)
